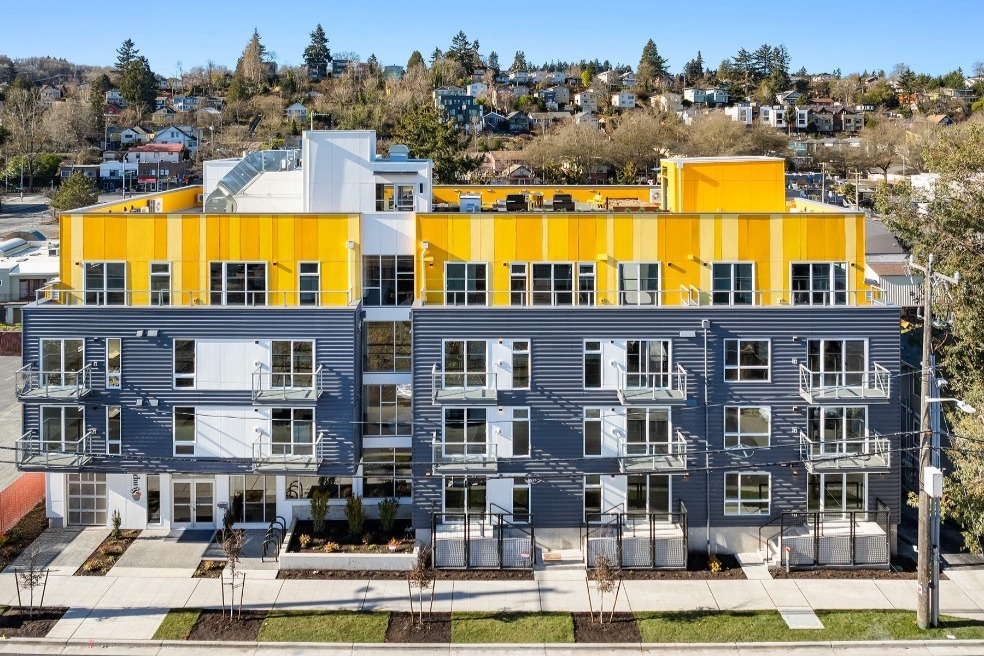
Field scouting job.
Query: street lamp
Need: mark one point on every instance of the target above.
(927, 567)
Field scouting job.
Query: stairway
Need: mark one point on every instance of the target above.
(560, 565)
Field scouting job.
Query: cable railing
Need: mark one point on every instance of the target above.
(641, 387)
(685, 296)
(840, 385)
(33, 451)
(867, 452)
(455, 386)
(270, 455)
(159, 298)
(463, 456)
(31, 382)
(667, 456)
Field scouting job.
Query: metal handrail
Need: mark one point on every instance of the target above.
(655, 456)
(487, 457)
(878, 381)
(470, 385)
(315, 382)
(873, 448)
(30, 446)
(674, 380)
(193, 298)
(288, 454)
(29, 378)
(815, 521)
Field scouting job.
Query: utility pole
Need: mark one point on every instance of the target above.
(924, 594)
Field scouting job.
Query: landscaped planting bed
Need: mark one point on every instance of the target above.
(902, 569)
(18, 623)
(107, 554)
(395, 575)
(435, 627)
(620, 628)
(211, 625)
(209, 569)
(698, 568)
(22, 534)
(336, 538)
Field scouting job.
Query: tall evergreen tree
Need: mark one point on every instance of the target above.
(462, 51)
(494, 62)
(416, 59)
(250, 68)
(652, 66)
(317, 54)
(125, 54)
(519, 62)
(437, 54)
(138, 85)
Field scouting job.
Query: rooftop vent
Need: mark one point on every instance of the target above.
(399, 153)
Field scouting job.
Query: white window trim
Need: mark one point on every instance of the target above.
(487, 370)
(659, 289)
(768, 505)
(739, 434)
(118, 374)
(526, 284)
(725, 368)
(466, 477)
(830, 292)
(193, 377)
(553, 287)
(867, 354)
(731, 290)
(601, 355)
(60, 340)
(529, 363)
(150, 280)
(842, 437)
(601, 493)
(61, 413)
(529, 432)
(601, 436)
(316, 275)
(290, 375)
(119, 441)
(224, 292)
(174, 441)
(103, 290)
(649, 442)
(466, 291)
(668, 511)
(464, 444)
(292, 444)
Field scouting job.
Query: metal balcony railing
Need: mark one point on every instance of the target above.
(61, 295)
(635, 387)
(450, 387)
(276, 387)
(31, 383)
(844, 385)
(451, 457)
(654, 456)
(869, 452)
(279, 456)
(34, 453)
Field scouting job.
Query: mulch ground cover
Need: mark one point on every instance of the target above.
(209, 569)
(212, 626)
(622, 628)
(22, 534)
(335, 538)
(106, 554)
(436, 627)
(389, 575)
(16, 623)
(902, 569)
(698, 569)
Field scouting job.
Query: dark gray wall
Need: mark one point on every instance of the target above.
(147, 373)
(557, 398)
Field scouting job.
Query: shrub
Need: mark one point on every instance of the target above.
(319, 510)
(393, 543)
(117, 522)
(355, 515)
(387, 513)
(331, 547)
(228, 519)
(305, 540)
(714, 563)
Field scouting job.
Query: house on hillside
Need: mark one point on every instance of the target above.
(586, 119)
(134, 135)
(518, 122)
(164, 116)
(155, 152)
(624, 100)
(297, 111)
(185, 135)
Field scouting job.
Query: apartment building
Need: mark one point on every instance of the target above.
(641, 384)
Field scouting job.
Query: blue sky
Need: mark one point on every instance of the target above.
(873, 35)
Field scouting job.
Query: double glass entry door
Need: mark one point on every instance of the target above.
(194, 503)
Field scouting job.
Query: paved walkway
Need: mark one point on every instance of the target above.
(172, 554)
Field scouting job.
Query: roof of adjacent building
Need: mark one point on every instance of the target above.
(158, 148)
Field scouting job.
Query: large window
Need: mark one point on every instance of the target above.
(520, 501)
(254, 498)
(184, 363)
(638, 283)
(105, 283)
(838, 429)
(553, 284)
(388, 346)
(649, 494)
(747, 427)
(62, 427)
(466, 283)
(61, 361)
(836, 362)
(517, 283)
(746, 494)
(387, 280)
(394, 197)
(292, 364)
(520, 432)
(647, 431)
(292, 432)
(185, 433)
(386, 473)
(733, 283)
(386, 410)
(464, 495)
(308, 283)
(114, 362)
(237, 283)
(819, 283)
(746, 359)
(521, 365)
(592, 498)
(465, 363)
(304, 487)
(586, 283)
(834, 493)
(592, 431)
(647, 364)
(592, 365)
(114, 430)
(160, 283)
(465, 432)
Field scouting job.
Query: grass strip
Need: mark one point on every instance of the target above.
(511, 627)
(177, 624)
(324, 626)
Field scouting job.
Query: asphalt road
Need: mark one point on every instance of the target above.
(30, 213)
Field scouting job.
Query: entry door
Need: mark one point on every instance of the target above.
(194, 504)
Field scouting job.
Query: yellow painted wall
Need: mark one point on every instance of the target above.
(684, 244)
(724, 185)
(185, 198)
(580, 193)
(190, 241)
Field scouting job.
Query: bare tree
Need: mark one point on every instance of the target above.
(23, 116)
(71, 127)
(233, 542)
(421, 576)
(30, 578)
(608, 580)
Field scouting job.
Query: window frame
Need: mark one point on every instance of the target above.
(647, 445)
(118, 370)
(62, 372)
(739, 435)
(521, 295)
(159, 297)
(592, 486)
(251, 297)
(403, 281)
(192, 444)
(585, 272)
(829, 295)
(401, 458)
(466, 497)
(479, 296)
(553, 291)
(175, 376)
(381, 410)
(584, 364)
(105, 295)
(739, 500)
(290, 377)
(313, 296)
(644, 374)
(514, 420)
(843, 377)
(622, 292)
(467, 375)
(732, 292)
(600, 421)
(521, 353)
(398, 358)
(522, 518)
(739, 367)
(466, 420)
(293, 422)
(114, 438)
(61, 410)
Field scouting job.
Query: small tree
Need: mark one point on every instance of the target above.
(77, 191)
(319, 510)
(29, 578)
(608, 580)
(233, 542)
(117, 522)
(355, 515)
(387, 514)
(421, 576)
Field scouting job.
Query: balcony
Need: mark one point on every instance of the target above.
(654, 456)
(870, 452)
(35, 454)
(269, 387)
(845, 386)
(463, 458)
(455, 387)
(286, 457)
(691, 296)
(646, 388)
(30, 383)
